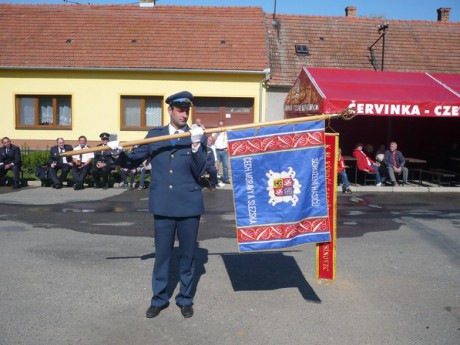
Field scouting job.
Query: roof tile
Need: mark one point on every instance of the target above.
(162, 37)
(343, 43)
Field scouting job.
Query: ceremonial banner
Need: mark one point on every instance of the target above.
(325, 252)
(279, 185)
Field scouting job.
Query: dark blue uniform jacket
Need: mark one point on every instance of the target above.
(175, 189)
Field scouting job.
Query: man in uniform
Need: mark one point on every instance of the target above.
(10, 159)
(104, 164)
(175, 199)
(57, 163)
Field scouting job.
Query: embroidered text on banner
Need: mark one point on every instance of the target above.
(279, 185)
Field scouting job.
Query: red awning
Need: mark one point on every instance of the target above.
(451, 81)
(329, 91)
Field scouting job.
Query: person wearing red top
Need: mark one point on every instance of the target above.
(343, 174)
(364, 163)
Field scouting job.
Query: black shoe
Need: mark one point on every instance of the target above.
(42, 183)
(227, 182)
(186, 310)
(78, 186)
(347, 191)
(154, 311)
(392, 183)
(16, 186)
(58, 186)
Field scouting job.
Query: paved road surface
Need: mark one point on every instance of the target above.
(76, 266)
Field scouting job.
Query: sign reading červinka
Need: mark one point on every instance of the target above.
(279, 186)
(403, 109)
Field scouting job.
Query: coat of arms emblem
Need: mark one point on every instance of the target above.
(283, 187)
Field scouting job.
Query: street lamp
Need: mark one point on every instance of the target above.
(382, 30)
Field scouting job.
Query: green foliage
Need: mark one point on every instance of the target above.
(30, 160)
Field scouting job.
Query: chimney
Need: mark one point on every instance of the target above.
(350, 11)
(147, 3)
(443, 14)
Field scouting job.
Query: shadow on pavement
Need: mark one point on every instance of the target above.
(267, 271)
(201, 258)
(247, 272)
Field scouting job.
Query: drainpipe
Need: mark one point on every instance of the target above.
(262, 84)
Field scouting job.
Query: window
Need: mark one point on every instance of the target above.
(301, 49)
(241, 106)
(138, 112)
(43, 112)
(223, 105)
(234, 111)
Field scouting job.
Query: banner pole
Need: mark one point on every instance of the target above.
(344, 115)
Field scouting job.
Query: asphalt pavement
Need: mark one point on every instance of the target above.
(76, 268)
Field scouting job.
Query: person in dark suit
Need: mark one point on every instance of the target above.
(57, 163)
(10, 159)
(175, 199)
(104, 164)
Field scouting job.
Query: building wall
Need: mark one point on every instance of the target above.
(96, 98)
(275, 103)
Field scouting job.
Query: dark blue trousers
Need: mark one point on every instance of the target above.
(79, 175)
(165, 233)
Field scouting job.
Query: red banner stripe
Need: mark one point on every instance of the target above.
(282, 231)
(276, 143)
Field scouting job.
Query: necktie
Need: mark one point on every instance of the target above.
(174, 141)
(61, 150)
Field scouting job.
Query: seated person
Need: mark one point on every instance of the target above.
(394, 162)
(364, 163)
(10, 159)
(104, 164)
(42, 172)
(211, 164)
(379, 155)
(81, 163)
(144, 169)
(132, 176)
(56, 163)
(369, 150)
(343, 174)
(132, 173)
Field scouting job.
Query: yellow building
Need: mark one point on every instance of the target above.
(72, 70)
